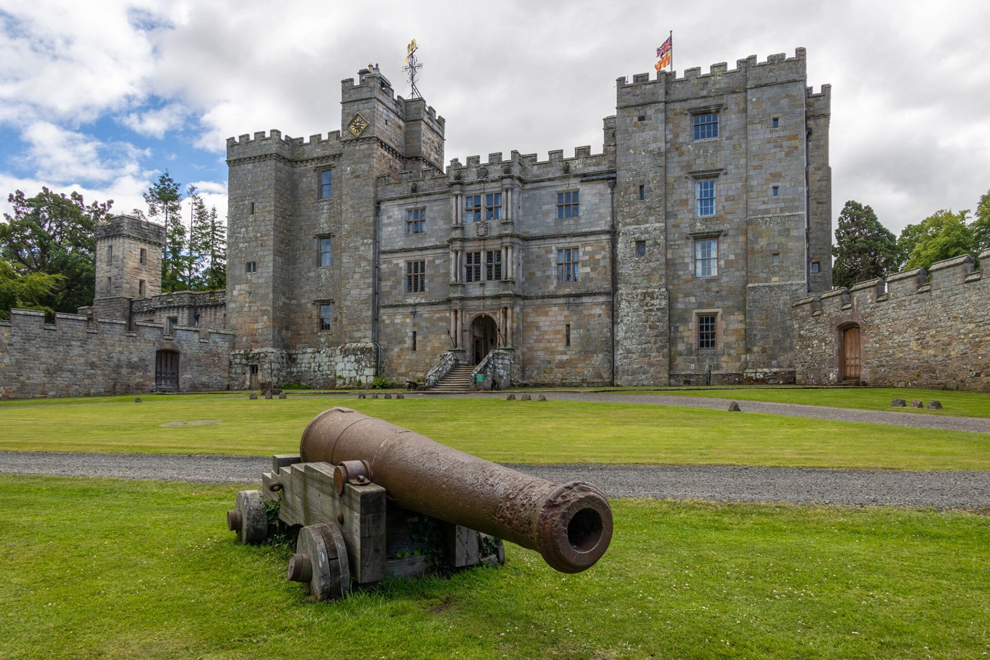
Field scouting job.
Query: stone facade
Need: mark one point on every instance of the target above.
(75, 358)
(917, 329)
(630, 316)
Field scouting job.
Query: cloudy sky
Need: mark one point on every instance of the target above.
(101, 97)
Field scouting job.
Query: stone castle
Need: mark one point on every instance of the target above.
(672, 257)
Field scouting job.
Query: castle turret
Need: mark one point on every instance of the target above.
(128, 264)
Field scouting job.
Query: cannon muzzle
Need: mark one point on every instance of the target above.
(570, 525)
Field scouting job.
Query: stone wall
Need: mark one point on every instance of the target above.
(348, 365)
(917, 329)
(74, 358)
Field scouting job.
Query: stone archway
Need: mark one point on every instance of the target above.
(484, 337)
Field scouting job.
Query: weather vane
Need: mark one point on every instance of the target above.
(411, 67)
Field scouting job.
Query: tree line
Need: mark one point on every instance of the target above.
(48, 246)
(865, 249)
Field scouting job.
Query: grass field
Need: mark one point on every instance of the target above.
(121, 569)
(960, 404)
(499, 430)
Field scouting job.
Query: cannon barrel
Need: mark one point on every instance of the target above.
(570, 525)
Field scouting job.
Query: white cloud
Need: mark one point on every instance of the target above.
(67, 157)
(909, 132)
(155, 123)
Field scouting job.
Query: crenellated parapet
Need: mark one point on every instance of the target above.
(528, 167)
(272, 144)
(749, 73)
(77, 357)
(917, 328)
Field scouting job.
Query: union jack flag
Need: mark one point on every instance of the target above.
(666, 47)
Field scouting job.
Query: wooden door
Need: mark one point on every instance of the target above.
(167, 370)
(255, 378)
(851, 357)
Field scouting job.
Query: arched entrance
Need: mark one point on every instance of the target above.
(484, 337)
(167, 370)
(850, 354)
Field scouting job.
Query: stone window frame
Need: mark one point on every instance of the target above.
(472, 266)
(703, 176)
(143, 257)
(251, 267)
(816, 267)
(109, 254)
(324, 322)
(473, 208)
(493, 265)
(717, 329)
(568, 203)
(415, 271)
(699, 112)
(324, 258)
(416, 220)
(322, 186)
(493, 206)
(567, 261)
(640, 249)
(696, 244)
(142, 288)
(567, 335)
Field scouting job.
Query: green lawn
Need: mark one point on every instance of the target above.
(503, 431)
(122, 569)
(960, 404)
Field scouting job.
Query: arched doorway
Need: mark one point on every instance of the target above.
(851, 354)
(484, 337)
(167, 370)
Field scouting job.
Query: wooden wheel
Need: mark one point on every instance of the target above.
(248, 517)
(320, 561)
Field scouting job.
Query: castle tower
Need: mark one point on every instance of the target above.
(302, 232)
(128, 264)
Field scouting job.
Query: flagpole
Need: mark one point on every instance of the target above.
(671, 50)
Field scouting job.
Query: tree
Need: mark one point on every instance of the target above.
(981, 226)
(52, 234)
(864, 248)
(207, 244)
(165, 201)
(942, 235)
(25, 290)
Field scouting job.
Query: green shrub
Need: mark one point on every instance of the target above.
(381, 383)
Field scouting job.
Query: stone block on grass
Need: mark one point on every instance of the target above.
(898, 403)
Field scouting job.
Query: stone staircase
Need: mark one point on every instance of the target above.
(457, 380)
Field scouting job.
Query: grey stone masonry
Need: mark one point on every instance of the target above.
(356, 253)
(917, 329)
(128, 262)
(74, 358)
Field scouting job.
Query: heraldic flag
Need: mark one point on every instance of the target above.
(664, 52)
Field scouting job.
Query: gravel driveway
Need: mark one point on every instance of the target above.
(941, 422)
(715, 482)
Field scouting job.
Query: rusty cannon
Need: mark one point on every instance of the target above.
(373, 500)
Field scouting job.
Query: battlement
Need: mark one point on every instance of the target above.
(76, 326)
(127, 225)
(217, 297)
(371, 85)
(527, 166)
(289, 148)
(948, 274)
(749, 73)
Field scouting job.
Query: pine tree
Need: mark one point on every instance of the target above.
(207, 245)
(165, 201)
(215, 275)
(864, 248)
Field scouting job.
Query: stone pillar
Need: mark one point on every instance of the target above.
(453, 326)
(507, 198)
(505, 262)
(453, 260)
(508, 332)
